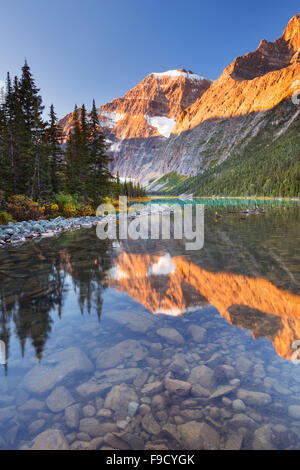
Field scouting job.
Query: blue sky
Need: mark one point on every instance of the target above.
(79, 50)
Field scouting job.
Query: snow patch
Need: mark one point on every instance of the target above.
(117, 273)
(178, 73)
(163, 267)
(110, 119)
(175, 312)
(164, 125)
(115, 147)
(127, 179)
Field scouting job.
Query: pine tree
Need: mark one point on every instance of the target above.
(117, 186)
(32, 161)
(4, 161)
(54, 139)
(72, 157)
(84, 152)
(13, 118)
(41, 175)
(30, 131)
(100, 178)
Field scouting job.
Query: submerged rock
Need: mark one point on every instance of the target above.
(122, 352)
(36, 426)
(95, 428)
(32, 405)
(115, 376)
(179, 366)
(91, 388)
(104, 413)
(234, 441)
(59, 399)
(52, 439)
(59, 366)
(238, 405)
(119, 398)
(263, 438)
(203, 376)
(150, 424)
(294, 411)
(178, 387)
(114, 440)
(243, 365)
(152, 388)
(7, 413)
(170, 335)
(223, 390)
(135, 321)
(133, 406)
(197, 333)
(88, 411)
(199, 391)
(72, 416)
(254, 398)
(196, 435)
(241, 420)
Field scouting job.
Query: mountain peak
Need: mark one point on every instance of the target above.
(292, 32)
(269, 56)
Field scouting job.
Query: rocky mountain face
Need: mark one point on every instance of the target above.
(137, 125)
(178, 121)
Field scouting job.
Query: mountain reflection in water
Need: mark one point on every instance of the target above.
(201, 339)
(252, 303)
(247, 270)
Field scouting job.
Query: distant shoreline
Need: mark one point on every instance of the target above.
(265, 198)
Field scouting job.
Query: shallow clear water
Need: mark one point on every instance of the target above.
(93, 326)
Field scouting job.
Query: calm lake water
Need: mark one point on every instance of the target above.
(144, 345)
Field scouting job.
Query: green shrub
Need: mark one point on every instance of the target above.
(5, 217)
(62, 200)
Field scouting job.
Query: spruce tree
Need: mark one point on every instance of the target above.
(100, 178)
(30, 130)
(54, 139)
(41, 174)
(84, 153)
(72, 157)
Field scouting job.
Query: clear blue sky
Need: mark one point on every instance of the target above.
(80, 49)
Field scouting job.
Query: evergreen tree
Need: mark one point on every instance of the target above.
(41, 175)
(30, 127)
(99, 176)
(117, 186)
(72, 157)
(54, 141)
(32, 160)
(84, 152)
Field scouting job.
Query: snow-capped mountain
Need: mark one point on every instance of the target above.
(179, 121)
(144, 118)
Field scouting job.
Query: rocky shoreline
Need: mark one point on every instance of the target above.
(20, 232)
(16, 233)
